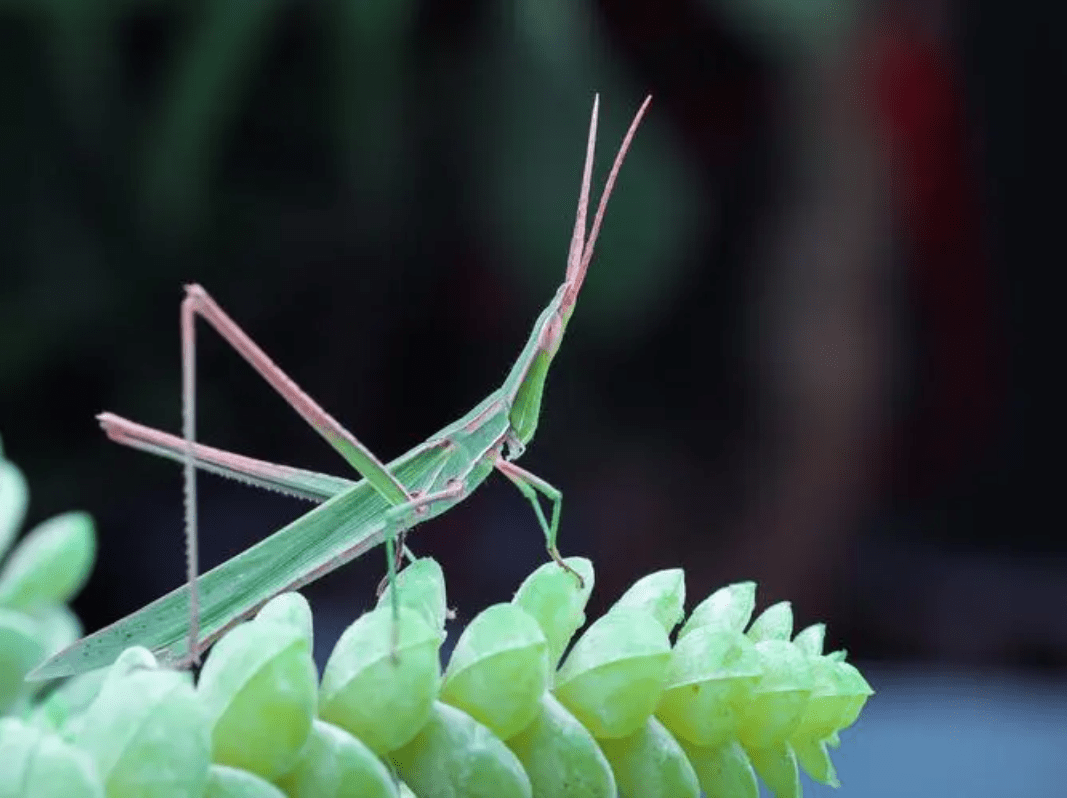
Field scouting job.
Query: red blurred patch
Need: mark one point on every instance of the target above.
(918, 112)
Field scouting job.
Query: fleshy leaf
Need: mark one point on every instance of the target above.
(774, 623)
(382, 700)
(39, 764)
(612, 678)
(334, 764)
(560, 756)
(552, 596)
(148, 734)
(21, 649)
(290, 608)
(50, 565)
(651, 763)
(661, 593)
(811, 639)
(499, 669)
(710, 679)
(724, 771)
(259, 688)
(227, 782)
(422, 588)
(14, 497)
(453, 755)
(728, 607)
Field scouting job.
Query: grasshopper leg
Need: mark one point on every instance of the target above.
(530, 485)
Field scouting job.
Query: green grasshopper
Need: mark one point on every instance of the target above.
(352, 516)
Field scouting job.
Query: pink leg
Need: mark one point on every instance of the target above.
(198, 302)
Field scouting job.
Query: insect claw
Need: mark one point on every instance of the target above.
(553, 552)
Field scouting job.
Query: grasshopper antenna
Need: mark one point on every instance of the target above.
(581, 251)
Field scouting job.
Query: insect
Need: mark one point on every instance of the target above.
(353, 516)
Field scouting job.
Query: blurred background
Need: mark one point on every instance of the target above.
(815, 348)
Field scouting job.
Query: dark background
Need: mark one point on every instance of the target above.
(817, 347)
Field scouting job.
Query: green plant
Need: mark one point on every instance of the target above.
(626, 713)
(39, 576)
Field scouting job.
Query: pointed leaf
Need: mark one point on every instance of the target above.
(661, 593)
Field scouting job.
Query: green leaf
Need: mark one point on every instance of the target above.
(711, 678)
(148, 734)
(422, 588)
(661, 593)
(334, 764)
(21, 648)
(725, 771)
(499, 670)
(259, 688)
(728, 607)
(51, 564)
(291, 608)
(561, 757)
(382, 700)
(650, 763)
(774, 623)
(227, 782)
(39, 764)
(59, 627)
(811, 639)
(815, 760)
(453, 755)
(62, 706)
(14, 497)
(553, 597)
(613, 677)
(779, 697)
(777, 766)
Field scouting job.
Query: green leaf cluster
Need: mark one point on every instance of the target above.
(519, 710)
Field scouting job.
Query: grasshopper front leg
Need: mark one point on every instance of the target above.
(530, 485)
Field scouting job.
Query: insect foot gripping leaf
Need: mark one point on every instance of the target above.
(43, 572)
(626, 714)
(557, 602)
